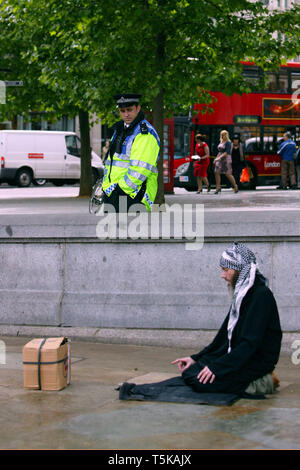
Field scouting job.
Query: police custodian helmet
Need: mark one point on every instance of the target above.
(127, 99)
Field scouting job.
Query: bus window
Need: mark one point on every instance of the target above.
(265, 139)
(274, 82)
(297, 136)
(214, 139)
(295, 81)
(269, 145)
(283, 82)
(181, 140)
(166, 140)
(271, 82)
(252, 75)
(250, 137)
(252, 145)
(272, 138)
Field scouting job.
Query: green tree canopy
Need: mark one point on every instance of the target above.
(76, 54)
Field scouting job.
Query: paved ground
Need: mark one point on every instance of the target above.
(89, 415)
(58, 200)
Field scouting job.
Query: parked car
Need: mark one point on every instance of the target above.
(39, 156)
(184, 177)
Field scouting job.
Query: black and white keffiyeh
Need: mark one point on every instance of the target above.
(240, 258)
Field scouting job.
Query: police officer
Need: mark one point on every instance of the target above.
(131, 165)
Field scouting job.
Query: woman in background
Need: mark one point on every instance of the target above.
(237, 157)
(201, 165)
(223, 163)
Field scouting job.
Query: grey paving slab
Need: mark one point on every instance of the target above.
(89, 415)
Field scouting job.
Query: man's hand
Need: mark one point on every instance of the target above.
(206, 375)
(183, 363)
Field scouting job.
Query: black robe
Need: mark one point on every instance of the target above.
(255, 349)
(255, 345)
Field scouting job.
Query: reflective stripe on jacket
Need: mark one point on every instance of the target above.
(137, 163)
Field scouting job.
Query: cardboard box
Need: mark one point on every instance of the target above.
(47, 363)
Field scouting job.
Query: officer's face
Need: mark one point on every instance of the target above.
(130, 113)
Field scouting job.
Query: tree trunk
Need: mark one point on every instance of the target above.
(86, 174)
(158, 111)
(14, 122)
(158, 122)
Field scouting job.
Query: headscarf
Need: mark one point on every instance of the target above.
(240, 258)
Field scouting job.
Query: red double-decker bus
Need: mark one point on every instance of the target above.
(259, 118)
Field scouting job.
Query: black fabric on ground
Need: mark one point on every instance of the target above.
(255, 348)
(174, 390)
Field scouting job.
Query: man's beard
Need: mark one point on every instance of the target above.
(231, 286)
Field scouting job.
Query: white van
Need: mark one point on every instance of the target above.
(27, 156)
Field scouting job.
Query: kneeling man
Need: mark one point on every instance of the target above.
(243, 355)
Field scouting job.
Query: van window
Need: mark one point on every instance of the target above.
(73, 145)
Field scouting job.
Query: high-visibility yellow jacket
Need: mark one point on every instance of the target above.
(135, 164)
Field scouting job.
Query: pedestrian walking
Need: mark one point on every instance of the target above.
(222, 162)
(201, 165)
(237, 157)
(287, 150)
(131, 165)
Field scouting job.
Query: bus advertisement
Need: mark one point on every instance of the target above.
(259, 119)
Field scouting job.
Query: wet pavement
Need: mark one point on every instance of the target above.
(65, 200)
(262, 199)
(89, 415)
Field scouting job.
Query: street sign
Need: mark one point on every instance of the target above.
(13, 83)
